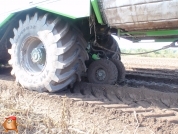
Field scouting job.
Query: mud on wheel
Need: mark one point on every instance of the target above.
(46, 54)
(102, 72)
(120, 69)
(113, 53)
(116, 58)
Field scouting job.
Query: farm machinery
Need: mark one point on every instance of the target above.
(51, 44)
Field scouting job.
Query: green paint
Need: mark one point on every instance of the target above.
(118, 32)
(52, 11)
(97, 11)
(6, 20)
(95, 57)
(152, 33)
(162, 33)
(166, 40)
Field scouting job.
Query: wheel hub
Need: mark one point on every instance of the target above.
(100, 74)
(38, 55)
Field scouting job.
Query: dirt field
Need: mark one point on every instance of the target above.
(160, 72)
(134, 62)
(104, 110)
(92, 109)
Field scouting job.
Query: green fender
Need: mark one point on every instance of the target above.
(69, 8)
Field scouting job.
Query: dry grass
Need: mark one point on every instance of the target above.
(41, 113)
(38, 115)
(30, 120)
(35, 114)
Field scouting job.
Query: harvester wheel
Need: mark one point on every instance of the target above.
(102, 72)
(47, 54)
(120, 69)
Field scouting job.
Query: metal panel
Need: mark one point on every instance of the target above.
(141, 14)
(11, 6)
(70, 8)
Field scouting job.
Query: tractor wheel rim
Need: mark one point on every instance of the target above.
(38, 55)
(33, 55)
(100, 74)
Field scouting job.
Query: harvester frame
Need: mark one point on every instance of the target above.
(52, 47)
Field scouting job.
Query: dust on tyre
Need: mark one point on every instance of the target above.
(102, 71)
(46, 53)
(120, 69)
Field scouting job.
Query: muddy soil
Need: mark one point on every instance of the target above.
(154, 73)
(89, 109)
(134, 62)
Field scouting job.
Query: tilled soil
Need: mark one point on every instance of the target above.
(155, 73)
(90, 109)
(134, 62)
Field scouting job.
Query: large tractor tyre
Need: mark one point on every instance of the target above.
(102, 72)
(47, 54)
(120, 69)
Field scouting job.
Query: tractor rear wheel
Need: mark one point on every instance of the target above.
(47, 54)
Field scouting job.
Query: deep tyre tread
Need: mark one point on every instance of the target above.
(64, 53)
(110, 69)
(120, 68)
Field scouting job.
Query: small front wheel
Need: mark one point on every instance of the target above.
(102, 72)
